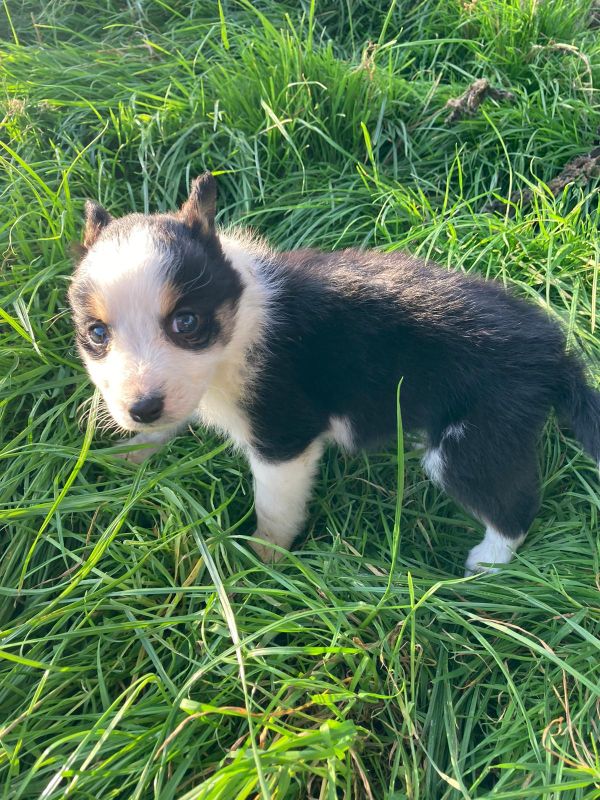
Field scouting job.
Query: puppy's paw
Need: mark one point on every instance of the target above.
(475, 568)
(493, 550)
(266, 553)
(479, 561)
(138, 456)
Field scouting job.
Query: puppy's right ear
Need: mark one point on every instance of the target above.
(198, 211)
(96, 218)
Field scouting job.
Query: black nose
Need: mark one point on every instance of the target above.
(148, 409)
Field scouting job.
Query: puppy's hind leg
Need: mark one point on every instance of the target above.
(281, 493)
(494, 475)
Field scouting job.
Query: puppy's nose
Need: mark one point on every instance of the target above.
(148, 409)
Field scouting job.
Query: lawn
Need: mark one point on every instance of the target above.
(145, 652)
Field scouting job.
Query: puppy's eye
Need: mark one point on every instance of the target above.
(98, 333)
(190, 330)
(185, 323)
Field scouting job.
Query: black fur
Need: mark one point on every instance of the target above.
(349, 325)
(206, 282)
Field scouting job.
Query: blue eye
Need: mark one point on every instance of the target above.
(98, 333)
(185, 322)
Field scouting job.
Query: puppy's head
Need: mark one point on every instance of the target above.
(154, 302)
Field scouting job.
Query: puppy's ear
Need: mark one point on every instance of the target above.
(198, 211)
(96, 218)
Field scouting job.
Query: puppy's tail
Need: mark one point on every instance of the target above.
(579, 406)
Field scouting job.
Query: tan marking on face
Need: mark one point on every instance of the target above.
(225, 315)
(169, 297)
(96, 307)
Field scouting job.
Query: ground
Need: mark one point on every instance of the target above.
(145, 652)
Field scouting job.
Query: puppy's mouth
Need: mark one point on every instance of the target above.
(151, 412)
(124, 420)
(139, 427)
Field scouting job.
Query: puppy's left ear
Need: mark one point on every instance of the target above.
(96, 218)
(198, 211)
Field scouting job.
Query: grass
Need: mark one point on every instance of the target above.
(144, 651)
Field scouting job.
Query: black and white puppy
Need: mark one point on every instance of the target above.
(284, 352)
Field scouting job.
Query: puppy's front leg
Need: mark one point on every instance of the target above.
(155, 438)
(281, 493)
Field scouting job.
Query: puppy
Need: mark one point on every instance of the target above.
(284, 352)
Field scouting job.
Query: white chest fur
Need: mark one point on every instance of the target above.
(218, 410)
(221, 405)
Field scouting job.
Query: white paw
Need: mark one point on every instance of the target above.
(493, 550)
(144, 452)
(266, 553)
(481, 559)
(474, 566)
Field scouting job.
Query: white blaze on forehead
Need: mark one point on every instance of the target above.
(130, 279)
(117, 258)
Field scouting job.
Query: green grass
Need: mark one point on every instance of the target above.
(144, 651)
